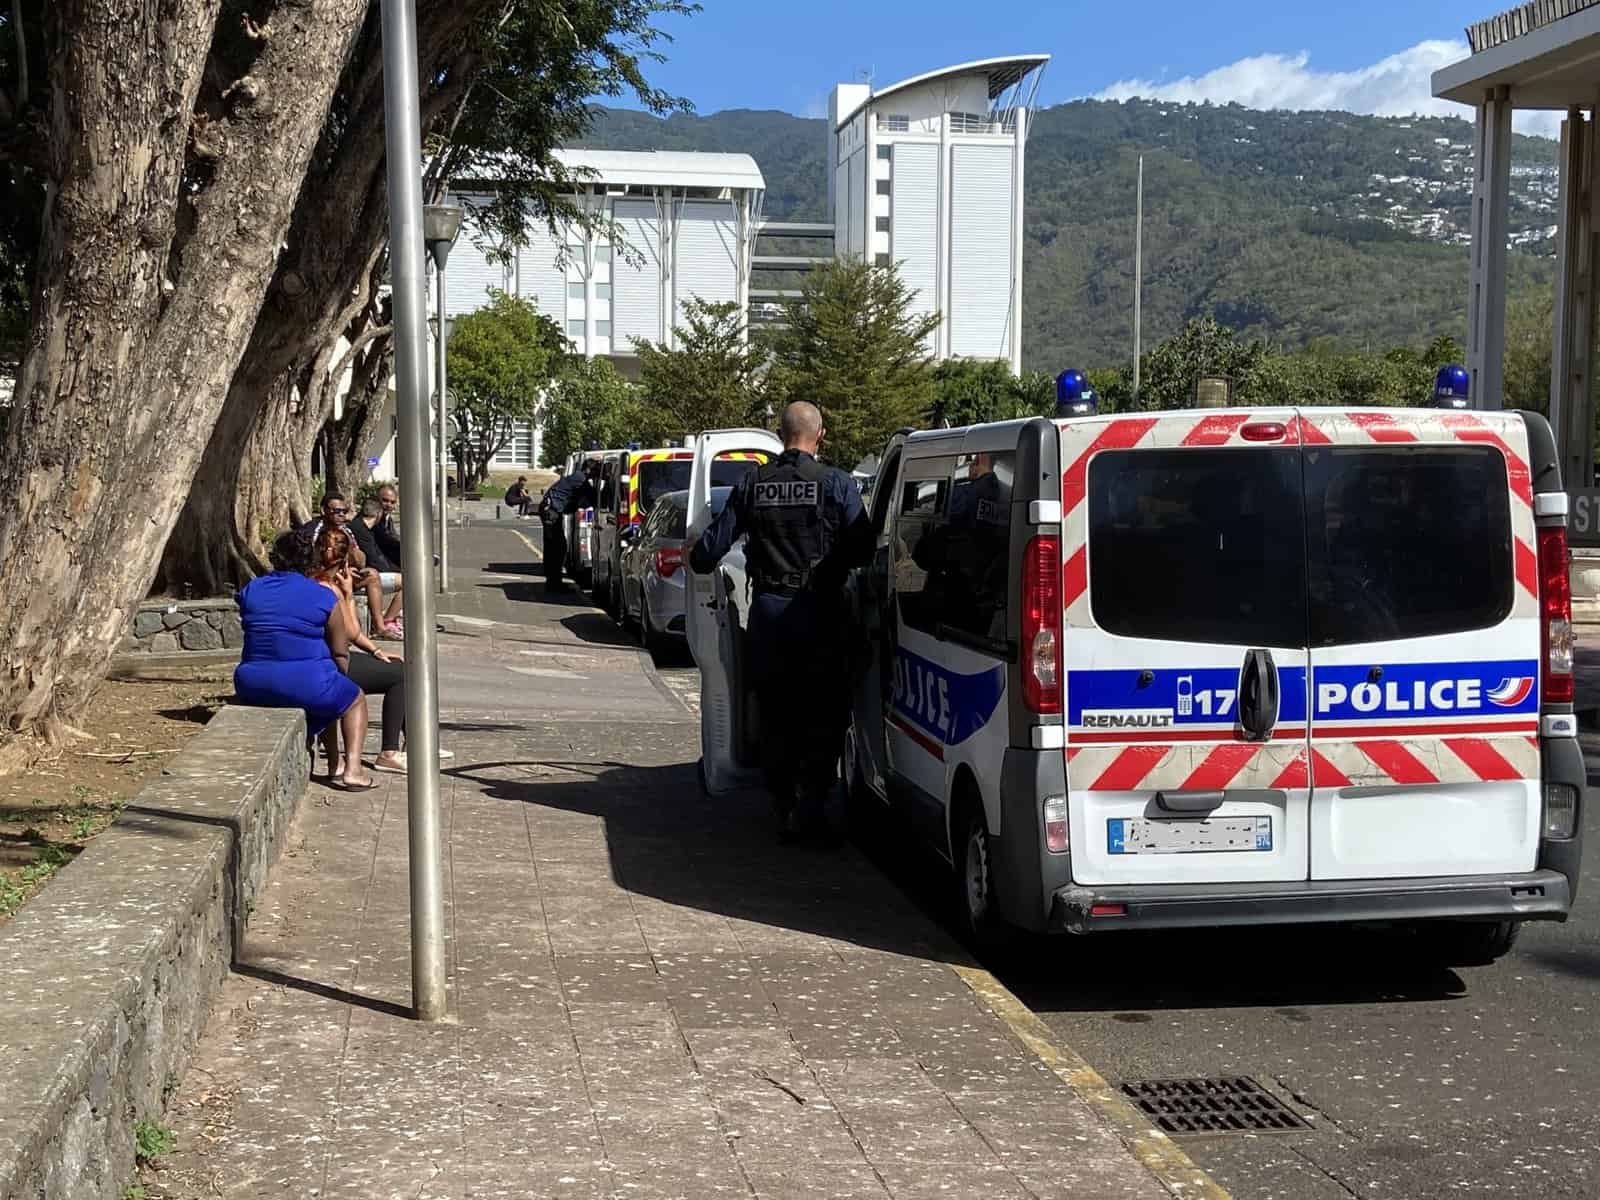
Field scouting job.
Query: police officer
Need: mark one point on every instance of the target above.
(1452, 387)
(806, 528)
(565, 495)
(1074, 396)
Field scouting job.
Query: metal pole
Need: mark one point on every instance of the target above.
(403, 140)
(1138, 275)
(444, 437)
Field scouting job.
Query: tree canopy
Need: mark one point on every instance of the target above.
(854, 345)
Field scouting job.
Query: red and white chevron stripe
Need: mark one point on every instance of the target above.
(1291, 764)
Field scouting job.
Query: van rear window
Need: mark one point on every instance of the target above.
(1229, 546)
(660, 476)
(1198, 545)
(1406, 541)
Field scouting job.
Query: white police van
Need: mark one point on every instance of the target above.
(1224, 667)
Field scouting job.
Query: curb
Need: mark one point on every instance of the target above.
(1156, 1152)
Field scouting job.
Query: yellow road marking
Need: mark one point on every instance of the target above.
(538, 555)
(1158, 1153)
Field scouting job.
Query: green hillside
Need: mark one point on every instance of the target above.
(1289, 226)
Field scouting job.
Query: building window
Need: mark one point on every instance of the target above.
(574, 329)
(575, 291)
(886, 152)
(602, 329)
(882, 259)
(883, 185)
(881, 224)
(602, 291)
(894, 124)
(602, 254)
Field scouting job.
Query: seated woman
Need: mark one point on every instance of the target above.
(296, 640)
(374, 671)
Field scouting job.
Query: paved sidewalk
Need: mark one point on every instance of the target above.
(650, 998)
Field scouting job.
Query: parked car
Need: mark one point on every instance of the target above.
(653, 570)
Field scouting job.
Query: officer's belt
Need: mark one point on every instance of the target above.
(791, 583)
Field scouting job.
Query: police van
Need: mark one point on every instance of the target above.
(580, 524)
(631, 480)
(1219, 667)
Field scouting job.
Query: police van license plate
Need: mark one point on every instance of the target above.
(1141, 835)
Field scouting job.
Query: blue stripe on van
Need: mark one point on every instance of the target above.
(948, 706)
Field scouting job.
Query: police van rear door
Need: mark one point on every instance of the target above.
(1425, 640)
(713, 629)
(1183, 585)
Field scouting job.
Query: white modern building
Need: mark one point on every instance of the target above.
(928, 173)
(687, 225)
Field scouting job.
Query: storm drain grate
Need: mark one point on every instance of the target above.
(1235, 1104)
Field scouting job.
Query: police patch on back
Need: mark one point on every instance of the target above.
(786, 493)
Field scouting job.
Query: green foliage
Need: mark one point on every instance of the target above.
(969, 391)
(369, 491)
(151, 1141)
(1169, 372)
(501, 358)
(711, 378)
(134, 1191)
(855, 347)
(588, 402)
(17, 886)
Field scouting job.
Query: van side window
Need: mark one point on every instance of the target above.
(883, 494)
(968, 558)
(922, 514)
(608, 485)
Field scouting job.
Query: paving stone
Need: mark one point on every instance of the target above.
(816, 1181)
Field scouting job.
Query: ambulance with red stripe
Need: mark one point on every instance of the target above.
(629, 487)
(1222, 667)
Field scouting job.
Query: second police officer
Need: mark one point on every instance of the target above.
(566, 495)
(806, 528)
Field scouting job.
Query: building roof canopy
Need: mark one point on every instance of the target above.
(1002, 73)
(1547, 52)
(647, 168)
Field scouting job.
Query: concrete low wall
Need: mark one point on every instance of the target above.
(108, 975)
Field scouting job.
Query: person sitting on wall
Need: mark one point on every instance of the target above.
(337, 512)
(296, 648)
(389, 577)
(518, 496)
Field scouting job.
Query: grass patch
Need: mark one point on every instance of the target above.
(151, 1141)
(16, 886)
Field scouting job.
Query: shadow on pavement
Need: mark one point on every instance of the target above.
(667, 840)
(597, 629)
(535, 593)
(326, 991)
(515, 568)
(1240, 968)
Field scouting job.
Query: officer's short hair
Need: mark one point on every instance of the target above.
(801, 419)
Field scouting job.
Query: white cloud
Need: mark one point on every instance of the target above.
(1397, 86)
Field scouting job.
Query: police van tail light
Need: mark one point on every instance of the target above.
(1555, 598)
(1055, 824)
(668, 560)
(1041, 625)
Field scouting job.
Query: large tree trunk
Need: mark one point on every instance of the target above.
(161, 230)
(326, 287)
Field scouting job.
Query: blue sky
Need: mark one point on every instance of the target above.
(1364, 55)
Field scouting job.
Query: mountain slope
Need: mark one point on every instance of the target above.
(1289, 226)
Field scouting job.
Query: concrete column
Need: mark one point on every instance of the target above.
(1491, 195)
(941, 341)
(1572, 335)
(1017, 214)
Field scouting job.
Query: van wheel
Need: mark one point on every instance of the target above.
(1469, 943)
(975, 892)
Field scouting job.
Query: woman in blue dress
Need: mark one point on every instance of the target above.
(296, 650)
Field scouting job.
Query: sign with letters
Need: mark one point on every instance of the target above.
(1583, 516)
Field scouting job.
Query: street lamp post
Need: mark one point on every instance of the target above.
(402, 140)
(440, 225)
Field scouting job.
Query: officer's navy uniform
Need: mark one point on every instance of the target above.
(806, 529)
(565, 495)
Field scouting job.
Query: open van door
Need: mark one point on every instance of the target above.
(714, 619)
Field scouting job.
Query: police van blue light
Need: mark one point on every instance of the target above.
(1074, 396)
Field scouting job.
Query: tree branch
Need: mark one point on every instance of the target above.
(376, 331)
